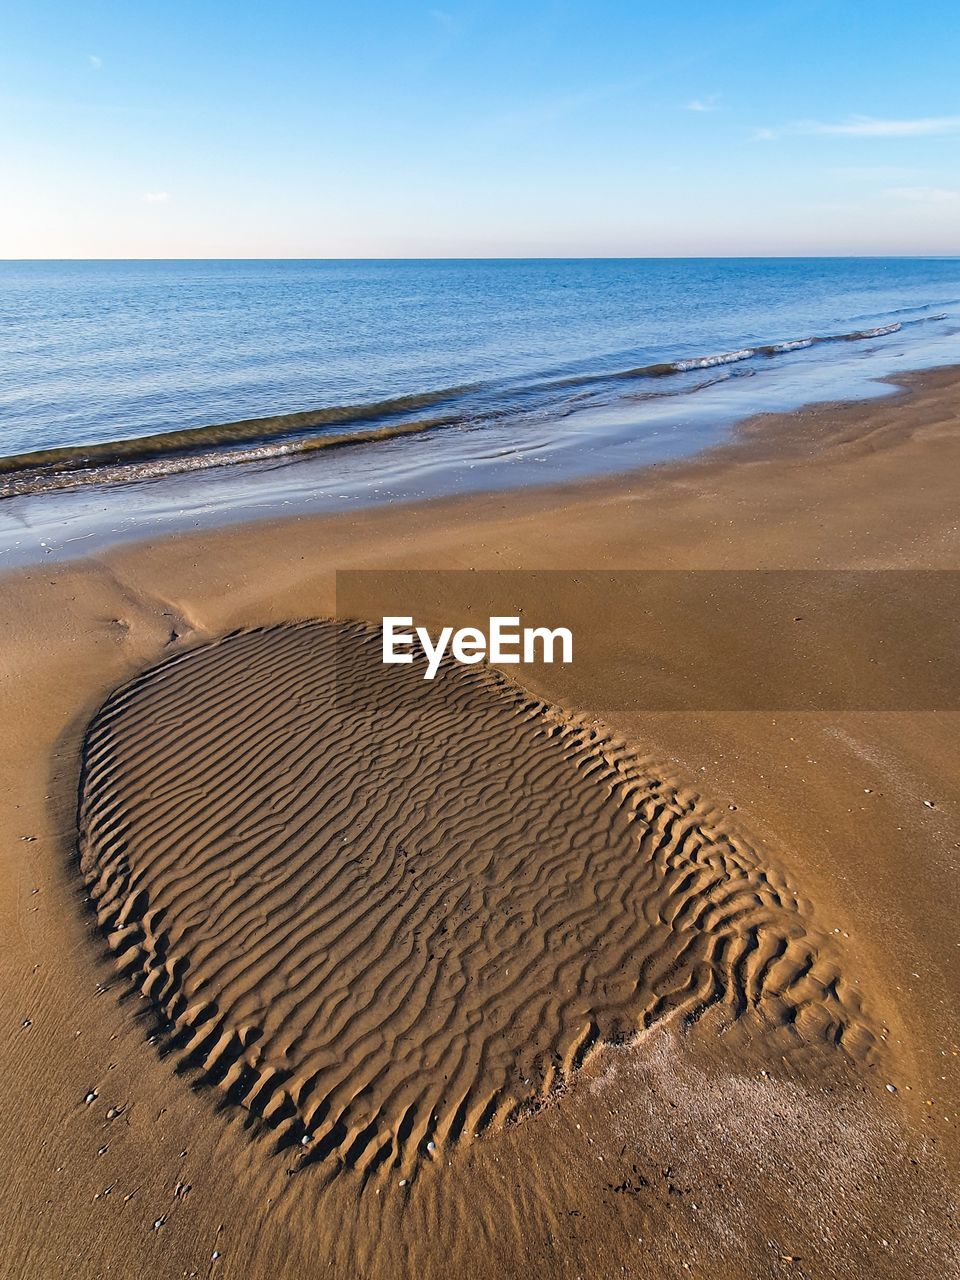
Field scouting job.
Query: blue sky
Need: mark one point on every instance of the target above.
(201, 128)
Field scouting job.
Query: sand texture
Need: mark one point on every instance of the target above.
(382, 913)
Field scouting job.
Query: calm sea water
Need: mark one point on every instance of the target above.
(455, 366)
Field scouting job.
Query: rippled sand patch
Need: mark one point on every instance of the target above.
(382, 913)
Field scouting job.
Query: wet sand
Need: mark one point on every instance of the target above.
(226, 930)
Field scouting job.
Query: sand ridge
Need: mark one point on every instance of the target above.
(382, 913)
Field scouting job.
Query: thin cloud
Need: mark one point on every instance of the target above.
(873, 173)
(95, 61)
(925, 195)
(708, 103)
(866, 127)
(156, 197)
(863, 127)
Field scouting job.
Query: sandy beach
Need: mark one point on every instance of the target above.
(503, 974)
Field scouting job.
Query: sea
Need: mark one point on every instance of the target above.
(218, 386)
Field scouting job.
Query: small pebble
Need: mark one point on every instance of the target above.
(91, 1097)
(891, 1088)
(431, 1146)
(403, 1182)
(929, 804)
(159, 1223)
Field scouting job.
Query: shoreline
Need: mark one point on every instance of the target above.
(99, 516)
(837, 800)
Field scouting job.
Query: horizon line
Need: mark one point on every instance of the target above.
(508, 257)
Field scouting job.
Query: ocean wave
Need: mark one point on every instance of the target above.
(881, 331)
(686, 364)
(188, 439)
(941, 315)
(709, 362)
(76, 466)
(794, 344)
(918, 306)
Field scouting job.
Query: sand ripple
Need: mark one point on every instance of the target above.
(381, 912)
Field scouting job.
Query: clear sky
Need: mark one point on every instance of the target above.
(384, 128)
